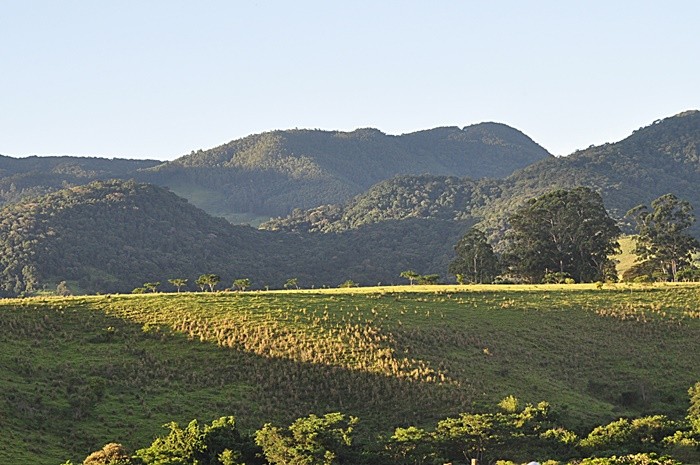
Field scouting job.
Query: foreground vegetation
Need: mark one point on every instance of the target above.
(80, 372)
(506, 435)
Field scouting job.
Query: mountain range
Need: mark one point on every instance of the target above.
(271, 174)
(661, 158)
(358, 205)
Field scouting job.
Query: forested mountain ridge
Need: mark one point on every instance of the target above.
(661, 158)
(31, 176)
(654, 160)
(270, 174)
(274, 172)
(114, 236)
(481, 150)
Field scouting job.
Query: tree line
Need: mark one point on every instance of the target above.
(567, 236)
(564, 236)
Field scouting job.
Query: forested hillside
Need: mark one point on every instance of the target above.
(106, 236)
(115, 235)
(661, 158)
(31, 176)
(270, 174)
(273, 173)
(431, 197)
(655, 160)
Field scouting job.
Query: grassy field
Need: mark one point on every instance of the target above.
(79, 372)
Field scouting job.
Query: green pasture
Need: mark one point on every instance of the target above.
(78, 372)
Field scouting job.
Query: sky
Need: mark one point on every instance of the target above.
(158, 79)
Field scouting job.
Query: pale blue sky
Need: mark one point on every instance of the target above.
(157, 79)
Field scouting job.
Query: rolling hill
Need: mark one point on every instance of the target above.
(112, 236)
(425, 197)
(83, 371)
(260, 176)
(32, 176)
(655, 160)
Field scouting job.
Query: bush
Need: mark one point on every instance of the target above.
(631, 459)
(689, 275)
(110, 454)
(559, 277)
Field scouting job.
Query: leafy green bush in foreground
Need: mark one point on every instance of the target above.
(507, 436)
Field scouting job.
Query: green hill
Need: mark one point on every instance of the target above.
(254, 178)
(401, 198)
(655, 160)
(272, 173)
(113, 236)
(80, 372)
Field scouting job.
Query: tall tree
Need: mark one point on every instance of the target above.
(563, 231)
(662, 237)
(475, 261)
(178, 283)
(209, 279)
(410, 275)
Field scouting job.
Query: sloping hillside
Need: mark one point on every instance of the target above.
(425, 197)
(655, 160)
(31, 176)
(81, 372)
(109, 236)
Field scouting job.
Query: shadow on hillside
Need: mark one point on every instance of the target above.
(88, 378)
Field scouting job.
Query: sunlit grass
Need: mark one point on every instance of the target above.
(114, 368)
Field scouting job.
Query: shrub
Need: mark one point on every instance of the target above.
(559, 277)
(110, 454)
